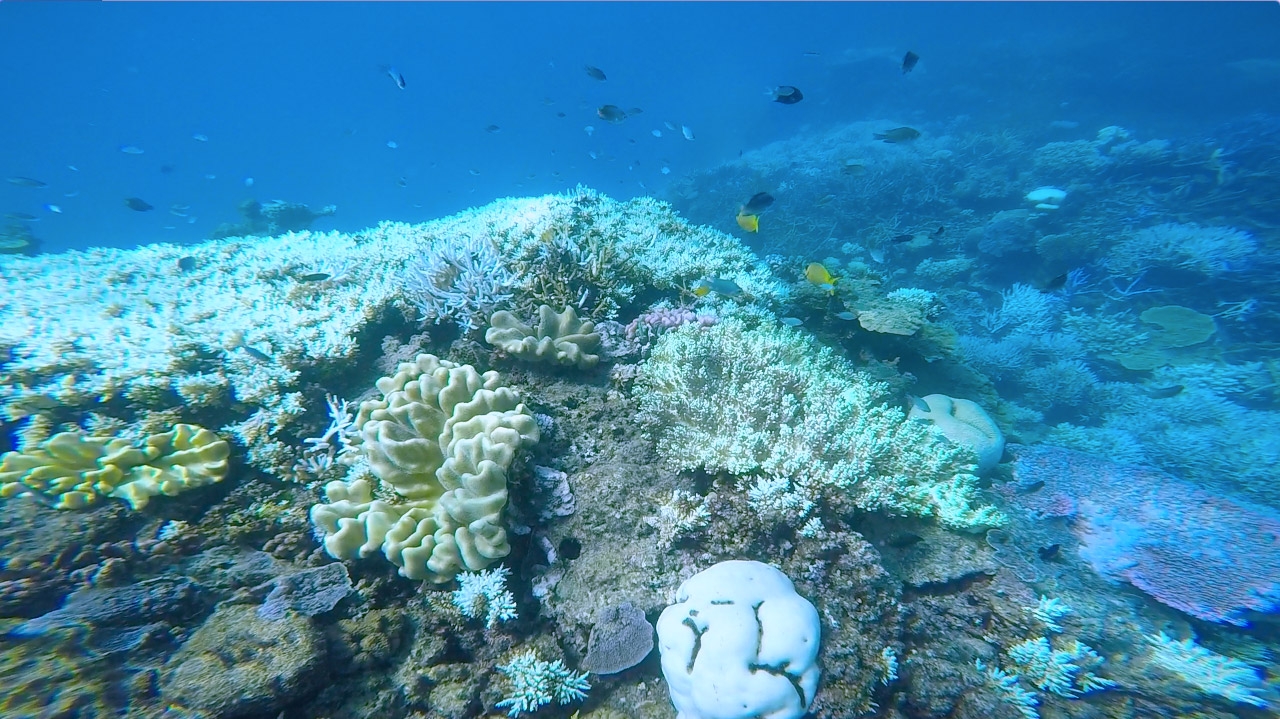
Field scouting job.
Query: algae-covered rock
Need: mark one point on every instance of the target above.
(239, 664)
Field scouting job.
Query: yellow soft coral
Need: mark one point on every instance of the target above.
(72, 470)
(442, 437)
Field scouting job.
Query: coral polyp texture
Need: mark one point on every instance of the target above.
(771, 403)
(441, 438)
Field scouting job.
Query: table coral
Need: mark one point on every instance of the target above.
(1208, 554)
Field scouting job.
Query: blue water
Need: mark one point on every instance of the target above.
(291, 94)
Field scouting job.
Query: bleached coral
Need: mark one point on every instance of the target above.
(460, 277)
(485, 593)
(1207, 250)
(1211, 672)
(535, 683)
(772, 403)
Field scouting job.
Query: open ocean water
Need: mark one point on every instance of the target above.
(617, 360)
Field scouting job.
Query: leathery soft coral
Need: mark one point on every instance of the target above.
(769, 402)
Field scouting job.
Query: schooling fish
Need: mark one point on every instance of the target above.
(898, 239)
(27, 182)
(1165, 392)
(758, 203)
(395, 75)
(898, 134)
(909, 62)
(594, 73)
(816, 273)
(611, 114)
(750, 223)
(314, 277)
(137, 204)
(719, 285)
(786, 94)
(1055, 284)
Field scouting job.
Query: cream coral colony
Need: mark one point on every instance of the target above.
(442, 438)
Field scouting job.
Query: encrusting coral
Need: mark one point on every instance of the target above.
(442, 437)
(558, 337)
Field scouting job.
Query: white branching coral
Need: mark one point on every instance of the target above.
(682, 514)
(459, 277)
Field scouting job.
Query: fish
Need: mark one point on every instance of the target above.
(392, 144)
(1164, 392)
(589, 129)
(237, 342)
(166, 169)
(656, 133)
(198, 137)
(811, 53)
(1049, 553)
(248, 182)
(595, 73)
(792, 321)
(667, 124)
(750, 223)
(786, 94)
(1031, 488)
(898, 134)
(314, 277)
(938, 232)
(898, 540)
(854, 167)
(898, 239)
(909, 62)
(137, 204)
(816, 273)
(561, 115)
(877, 254)
(758, 203)
(919, 403)
(27, 182)
(474, 172)
(21, 217)
(1055, 284)
(395, 75)
(402, 182)
(186, 264)
(493, 129)
(611, 114)
(846, 315)
(688, 134)
(824, 200)
(666, 170)
(52, 208)
(634, 111)
(719, 285)
(131, 150)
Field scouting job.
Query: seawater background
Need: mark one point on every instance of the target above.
(291, 94)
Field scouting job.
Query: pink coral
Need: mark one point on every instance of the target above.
(1209, 554)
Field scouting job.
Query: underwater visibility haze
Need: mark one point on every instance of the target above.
(639, 360)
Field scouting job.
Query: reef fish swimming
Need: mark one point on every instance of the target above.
(786, 94)
(898, 134)
(138, 204)
(909, 62)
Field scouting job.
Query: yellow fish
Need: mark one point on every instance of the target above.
(750, 223)
(818, 275)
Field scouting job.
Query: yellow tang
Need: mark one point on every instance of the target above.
(750, 223)
(818, 275)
